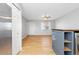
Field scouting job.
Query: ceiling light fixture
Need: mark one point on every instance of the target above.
(46, 17)
(46, 22)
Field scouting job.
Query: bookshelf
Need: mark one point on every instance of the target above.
(63, 42)
(68, 43)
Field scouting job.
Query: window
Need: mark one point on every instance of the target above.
(45, 26)
(5, 26)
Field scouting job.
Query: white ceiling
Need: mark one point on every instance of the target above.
(34, 11)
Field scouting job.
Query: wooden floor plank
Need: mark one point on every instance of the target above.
(37, 45)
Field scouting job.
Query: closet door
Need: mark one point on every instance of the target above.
(16, 30)
(17, 34)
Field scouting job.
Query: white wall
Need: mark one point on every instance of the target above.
(24, 28)
(69, 21)
(52, 24)
(35, 28)
(16, 29)
(5, 10)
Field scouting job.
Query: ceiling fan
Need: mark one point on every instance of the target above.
(46, 17)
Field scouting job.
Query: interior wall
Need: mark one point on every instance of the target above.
(52, 24)
(24, 28)
(69, 21)
(16, 29)
(5, 10)
(35, 28)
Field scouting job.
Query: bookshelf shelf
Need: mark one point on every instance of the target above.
(67, 41)
(67, 49)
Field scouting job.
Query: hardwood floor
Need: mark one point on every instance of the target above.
(37, 45)
(5, 46)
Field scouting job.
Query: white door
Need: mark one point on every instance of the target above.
(16, 30)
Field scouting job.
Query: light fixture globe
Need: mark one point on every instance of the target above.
(46, 17)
